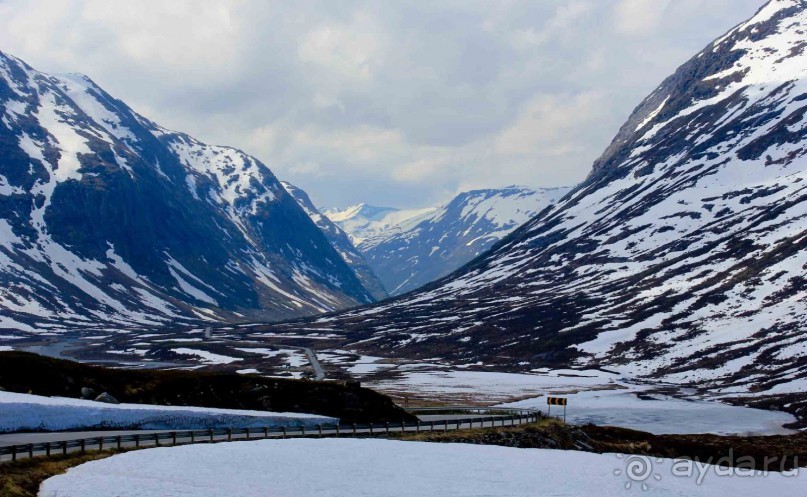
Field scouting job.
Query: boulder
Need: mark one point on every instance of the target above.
(88, 393)
(106, 398)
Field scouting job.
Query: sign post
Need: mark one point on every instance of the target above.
(556, 401)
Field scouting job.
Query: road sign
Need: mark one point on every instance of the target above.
(556, 401)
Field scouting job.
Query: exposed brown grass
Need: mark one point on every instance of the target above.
(772, 453)
(23, 478)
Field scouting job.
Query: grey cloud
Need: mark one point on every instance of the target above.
(396, 103)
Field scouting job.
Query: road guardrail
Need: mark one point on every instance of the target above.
(482, 418)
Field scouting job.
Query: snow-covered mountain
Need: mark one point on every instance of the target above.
(340, 241)
(421, 249)
(682, 256)
(363, 221)
(108, 218)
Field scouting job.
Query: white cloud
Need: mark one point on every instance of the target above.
(551, 124)
(639, 17)
(343, 50)
(562, 22)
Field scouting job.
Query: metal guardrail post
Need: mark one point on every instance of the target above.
(83, 446)
(417, 427)
(30, 451)
(229, 434)
(100, 444)
(118, 441)
(64, 448)
(210, 432)
(265, 432)
(174, 437)
(284, 432)
(302, 430)
(13, 452)
(354, 429)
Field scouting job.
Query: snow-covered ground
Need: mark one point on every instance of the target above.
(594, 396)
(458, 386)
(22, 412)
(661, 415)
(376, 468)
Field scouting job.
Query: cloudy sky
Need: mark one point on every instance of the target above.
(393, 103)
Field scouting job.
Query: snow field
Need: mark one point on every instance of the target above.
(595, 396)
(664, 415)
(385, 468)
(23, 412)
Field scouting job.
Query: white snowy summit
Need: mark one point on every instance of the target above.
(423, 248)
(363, 221)
(107, 218)
(682, 256)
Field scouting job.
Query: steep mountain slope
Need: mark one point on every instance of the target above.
(363, 221)
(340, 241)
(107, 218)
(422, 249)
(682, 256)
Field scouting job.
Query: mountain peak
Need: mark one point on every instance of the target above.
(744, 64)
(110, 219)
(681, 258)
(423, 248)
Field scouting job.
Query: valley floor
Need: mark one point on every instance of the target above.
(595, 396)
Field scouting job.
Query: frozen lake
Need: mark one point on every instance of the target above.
(597, 397)
(664, 415)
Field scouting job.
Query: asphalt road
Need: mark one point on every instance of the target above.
(432, 422)
(319, 373)
(9, 439)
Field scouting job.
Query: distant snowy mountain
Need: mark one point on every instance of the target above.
(364, 221)
(107, 218)
(681, 258)
(424, 248)
(340, 241)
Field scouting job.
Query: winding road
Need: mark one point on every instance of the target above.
(21, 445)
(319, 373)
